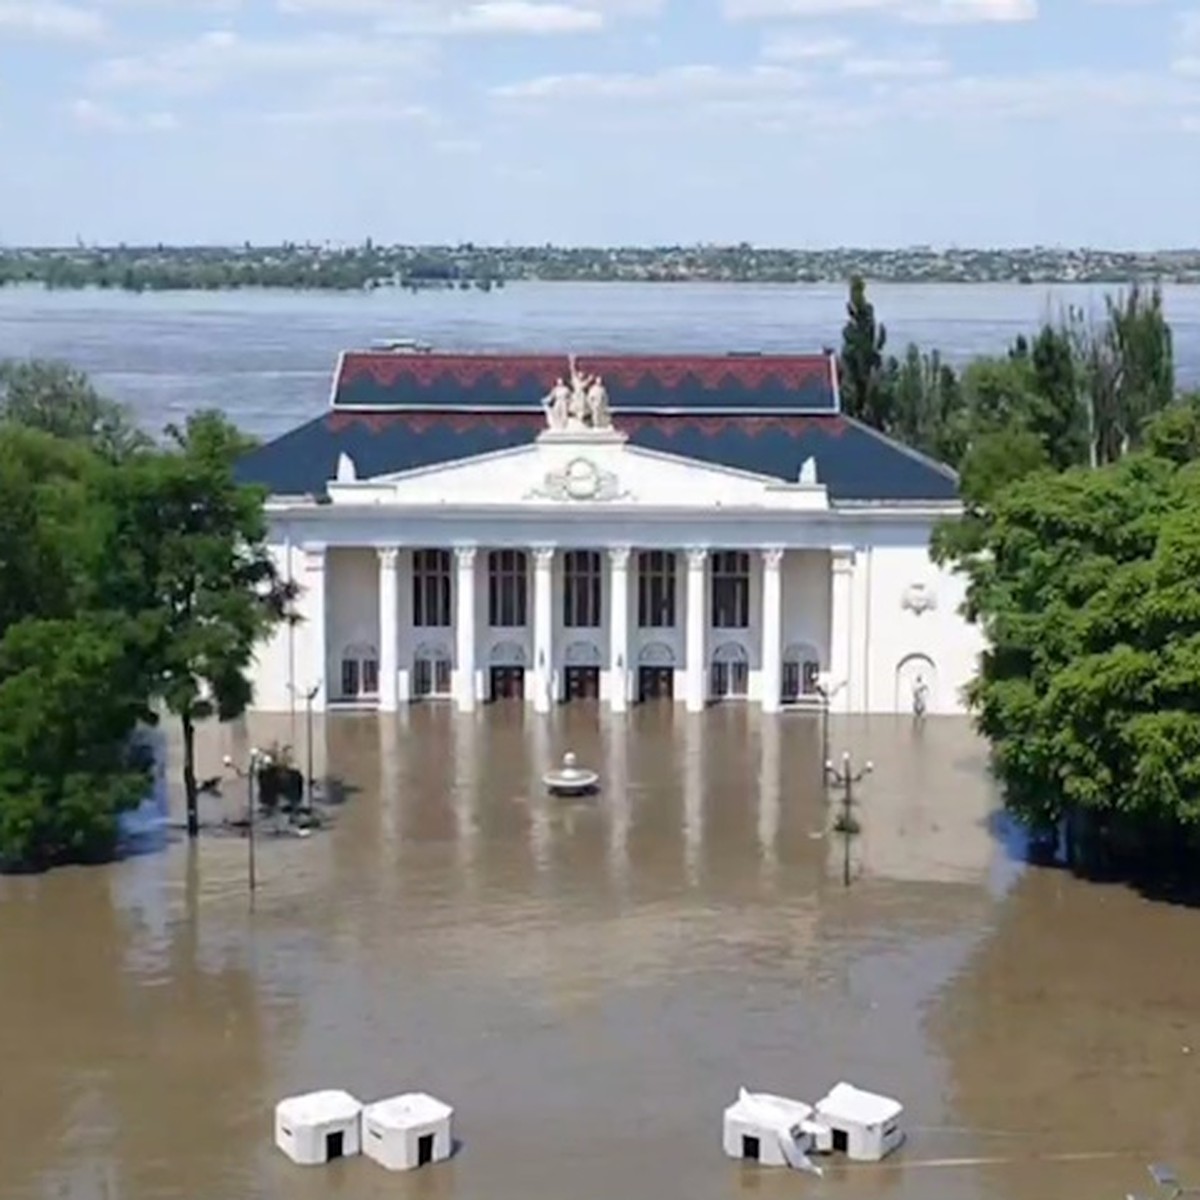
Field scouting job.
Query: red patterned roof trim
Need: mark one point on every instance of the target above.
(512, 372)
(667, 425)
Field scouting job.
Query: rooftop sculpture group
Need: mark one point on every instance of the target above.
(578, 405)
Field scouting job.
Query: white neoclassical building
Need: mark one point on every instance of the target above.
(702, 529)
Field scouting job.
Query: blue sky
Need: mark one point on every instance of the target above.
(782, 122)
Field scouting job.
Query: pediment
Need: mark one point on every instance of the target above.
(595, 469)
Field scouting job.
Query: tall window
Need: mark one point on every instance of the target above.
(656, 589)
(508, 588)
(431, 589)
(581, 589)
(731, 589)
(360, 672)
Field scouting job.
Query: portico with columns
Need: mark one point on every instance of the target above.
(568, 548)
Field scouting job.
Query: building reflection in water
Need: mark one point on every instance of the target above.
(627, 962)
(692, 751)
(769, 786)
(614, 791)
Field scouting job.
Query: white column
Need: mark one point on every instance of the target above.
(841, 627)
(543, 627)
(697, 625)
(315, 657)
(618, 629)
(389, 631)
(772, 629)
(464, 629)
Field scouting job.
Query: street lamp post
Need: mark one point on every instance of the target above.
(309, 697)
(826, 689)
(257, 761)
(845, 777)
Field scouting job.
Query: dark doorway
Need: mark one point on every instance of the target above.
(841, 1141)
(425, 1149)
(335, 1146)
(656, 683)
(791, 681)
(583, 683)
(508, 683)
(750, 1147)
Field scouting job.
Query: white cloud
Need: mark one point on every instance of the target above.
(902, 66)
(222, 54)
(90, 114)
(687, 83)
(925, 12)
(49, 19)
(799, 47)
(361, 113)
(448, 18)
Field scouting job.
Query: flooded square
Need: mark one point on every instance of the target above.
(589, 982)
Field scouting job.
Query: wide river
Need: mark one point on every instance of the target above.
(588, 983)
(267, 357)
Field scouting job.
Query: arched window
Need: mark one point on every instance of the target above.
(731, 589)
(360, 671)
(508, 589)
(431, 670)
(656, 589)
(581, 589)
(801, 672)
(730, 671)
(431, 589)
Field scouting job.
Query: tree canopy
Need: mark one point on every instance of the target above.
(135, 578)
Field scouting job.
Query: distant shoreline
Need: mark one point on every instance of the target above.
(467, 267)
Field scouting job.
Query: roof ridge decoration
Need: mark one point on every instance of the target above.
(776, 383)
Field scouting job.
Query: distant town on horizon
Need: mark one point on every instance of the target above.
(467, 265)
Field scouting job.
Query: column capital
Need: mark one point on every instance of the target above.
(314, 556)
(465, 555)
(697, 557)
(842, 558)
(543, 556)
(773, 557)
(389, 556)
(619, 557)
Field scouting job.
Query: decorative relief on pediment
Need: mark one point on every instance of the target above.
(918, 598)
(580, 479)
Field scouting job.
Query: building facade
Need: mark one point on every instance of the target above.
(700, 529)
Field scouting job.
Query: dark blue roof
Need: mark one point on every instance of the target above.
(781, 383)
(853, 461)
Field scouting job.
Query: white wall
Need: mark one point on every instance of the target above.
(806, 597)
(938, 643)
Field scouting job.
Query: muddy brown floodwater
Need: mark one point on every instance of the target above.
(589, 983)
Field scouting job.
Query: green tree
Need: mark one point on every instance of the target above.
(59, 400)
(194, 566)
(862, 376)
(928, 413)
(1084, 583)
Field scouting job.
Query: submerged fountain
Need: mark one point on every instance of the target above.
(571, 779)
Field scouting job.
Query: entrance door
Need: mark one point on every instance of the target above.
(656, 683)
(792, 680)
(335, 1146)
(508, 683)
(583, 683)
(425, 1149)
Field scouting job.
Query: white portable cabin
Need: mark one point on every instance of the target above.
(863, 1126)
(771, 1130)
(318, 1127)
(408, 1131)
